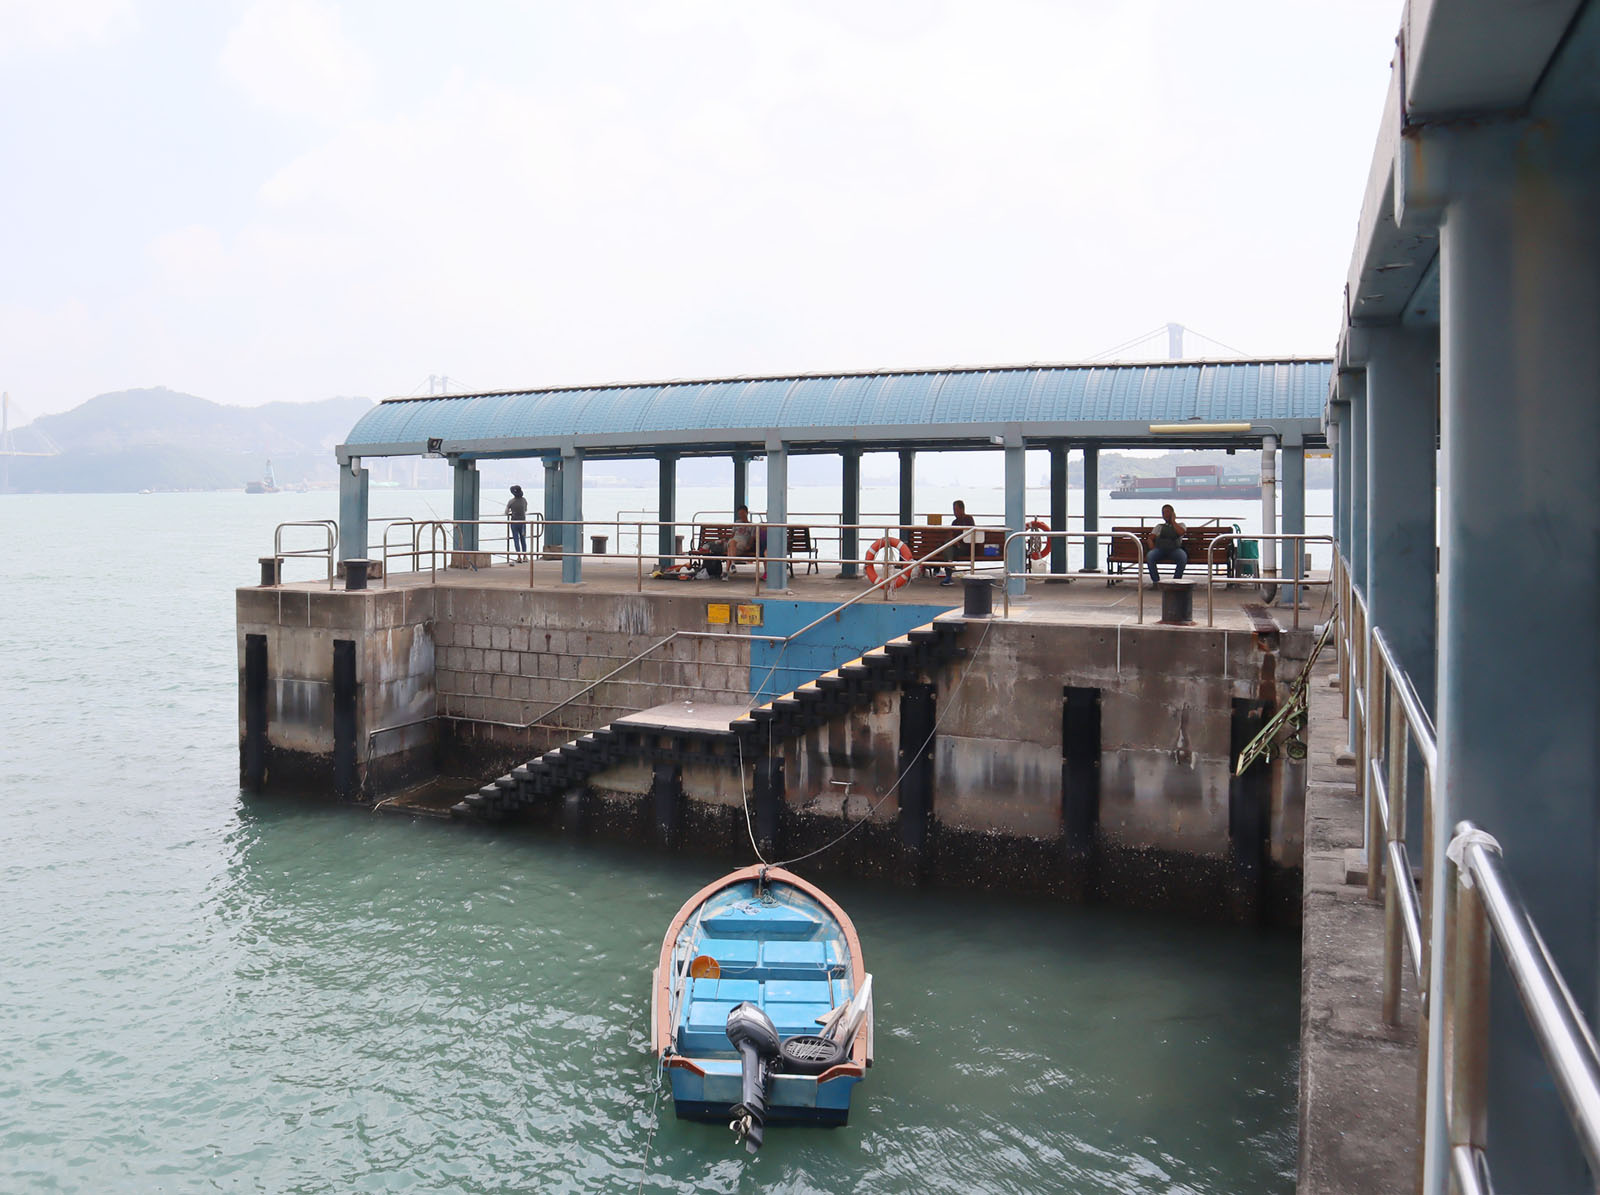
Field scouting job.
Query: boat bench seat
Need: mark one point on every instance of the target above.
(768, 921)
(707, 1027)
(744, 958)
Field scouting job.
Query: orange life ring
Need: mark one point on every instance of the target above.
(1037, 544)
(872, 554)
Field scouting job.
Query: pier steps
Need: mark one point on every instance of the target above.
(842, 690)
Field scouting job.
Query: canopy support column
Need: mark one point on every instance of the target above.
(1058, 505)
(908, 487)
(850, 507)
(572, 512)
(777, 551)
(1016, 514)
(741, 479)
(553, 537)
(464, 504)
(1091, 506)
(352, 510)
(666, 508)
(1294, 518)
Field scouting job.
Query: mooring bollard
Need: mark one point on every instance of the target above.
(271, 571)
(597, 544)
(355, 573)
(978, 597)
(1177, 603)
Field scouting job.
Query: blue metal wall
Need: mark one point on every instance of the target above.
(776, 668)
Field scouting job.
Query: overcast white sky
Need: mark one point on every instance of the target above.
(293, 199)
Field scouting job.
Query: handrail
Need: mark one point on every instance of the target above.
(1480, 907)
(330, 526)
(1067, 537)
(889, 578)
(1487, 905)
(1295, 582)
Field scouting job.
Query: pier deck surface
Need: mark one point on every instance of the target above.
(1086, 601)
(1358, 1076)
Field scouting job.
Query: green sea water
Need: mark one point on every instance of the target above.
(206, 991)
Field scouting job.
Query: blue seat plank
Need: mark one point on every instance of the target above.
(752, 919)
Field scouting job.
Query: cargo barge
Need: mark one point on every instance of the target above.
(1190, 481)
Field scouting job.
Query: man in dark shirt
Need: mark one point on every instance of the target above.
(962, 519)
(517, 513)
(1166, 543)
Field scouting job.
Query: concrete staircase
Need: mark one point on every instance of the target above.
(843, 690)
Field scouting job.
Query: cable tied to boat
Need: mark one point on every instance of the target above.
(947, 705)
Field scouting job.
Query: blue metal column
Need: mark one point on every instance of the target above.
(1358, 482)
(1091, 506)
(1401, 433)
(1294, 516)
(553, 538)
(1058, 504)
(850, 508)
(1338, 422)
(666, 506)
(908, 487)
(1519, 659)
(777, 513)
(741, 479)
(464, 503)
(572, 509)
(1016, 512)
(352, 510)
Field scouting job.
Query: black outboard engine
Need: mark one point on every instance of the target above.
(756, 1038)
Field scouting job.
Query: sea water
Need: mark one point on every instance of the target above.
(209, 991)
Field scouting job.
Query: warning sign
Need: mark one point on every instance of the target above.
(750, 616)
(718, 614)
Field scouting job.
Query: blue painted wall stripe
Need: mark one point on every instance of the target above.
(775, 668)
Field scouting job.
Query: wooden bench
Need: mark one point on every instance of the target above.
(1121, 553)
(800, 545)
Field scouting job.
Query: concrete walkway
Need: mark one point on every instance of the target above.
(1358, 1076)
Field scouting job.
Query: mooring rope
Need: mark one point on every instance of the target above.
(644, 1163)
(866, 817)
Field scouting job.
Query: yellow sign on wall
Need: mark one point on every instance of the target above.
(718, 614)
(750, 616)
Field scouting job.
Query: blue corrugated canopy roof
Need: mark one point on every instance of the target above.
(951, 408)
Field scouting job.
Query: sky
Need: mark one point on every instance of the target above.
(295, 199)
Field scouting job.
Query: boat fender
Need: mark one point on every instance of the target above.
(811, 1054)
(755, 1037)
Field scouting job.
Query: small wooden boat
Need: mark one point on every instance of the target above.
(761, 1007)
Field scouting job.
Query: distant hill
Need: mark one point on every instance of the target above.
(160, 439)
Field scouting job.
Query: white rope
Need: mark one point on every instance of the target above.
(644, 1163)
(1456, 852)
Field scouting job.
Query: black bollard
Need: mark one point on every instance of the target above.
(271, 571)
(1177, 603)
(355, 573)
(979, 597)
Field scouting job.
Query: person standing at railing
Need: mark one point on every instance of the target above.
(517, 512)
(960, 518)
(1166, 543)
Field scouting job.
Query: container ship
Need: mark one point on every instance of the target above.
(1190, 481)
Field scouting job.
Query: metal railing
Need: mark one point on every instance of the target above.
(330, 526)
(1297, 580)
(1480, 908)
(1067, 536)
(893, 577)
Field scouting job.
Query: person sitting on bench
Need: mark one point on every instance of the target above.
(1166, 543)
(746, 535)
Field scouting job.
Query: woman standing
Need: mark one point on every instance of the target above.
(517, 512)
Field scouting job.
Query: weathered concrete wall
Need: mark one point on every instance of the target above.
(392, 631)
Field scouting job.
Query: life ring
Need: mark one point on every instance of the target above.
(872, 554)
(1037, 544)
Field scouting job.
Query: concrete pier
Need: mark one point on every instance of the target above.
(1065, 749)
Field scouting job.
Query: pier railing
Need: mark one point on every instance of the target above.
(1297, 579)
(894, 575)
(327, 551)
(1042, 537)
(1479, 907)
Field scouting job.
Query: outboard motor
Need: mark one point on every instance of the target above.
(756, 1038)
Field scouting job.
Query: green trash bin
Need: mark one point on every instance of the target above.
(1246, 556)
